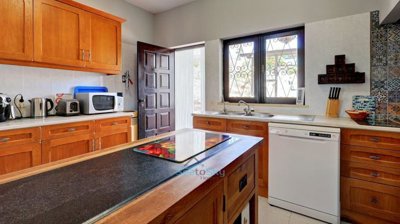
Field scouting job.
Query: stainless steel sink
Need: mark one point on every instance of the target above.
(261, 115)
(229, 113)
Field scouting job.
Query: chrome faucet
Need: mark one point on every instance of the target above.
(247, 110)
(224, 110)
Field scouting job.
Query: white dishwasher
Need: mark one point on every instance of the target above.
(304, 164)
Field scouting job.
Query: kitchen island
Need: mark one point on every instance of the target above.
(120, 185)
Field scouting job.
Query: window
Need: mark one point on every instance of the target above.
(265, 68)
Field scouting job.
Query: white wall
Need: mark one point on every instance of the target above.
(206, 20)
(42, 82)
(324, 39)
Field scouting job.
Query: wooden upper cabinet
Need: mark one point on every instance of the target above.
(16, 22)
(70, 35)
(60, 33)
(105, 43)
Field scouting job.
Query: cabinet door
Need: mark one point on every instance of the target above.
(62, 148)
(19, 157)
(105, 41)
(59, 33)
(371, 199)
(16, 22)
(207, 210)
(112, 132)
(259, 129)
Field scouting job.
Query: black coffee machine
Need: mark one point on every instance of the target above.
(5, 107)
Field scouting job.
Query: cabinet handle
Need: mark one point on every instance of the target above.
(90, 55)
(71, 129)
(375, 139)
(243, 183)
(375, 157)
(83, 54)
(4, 139)
(209, 123)
(375, 174)
(246, 126)
(114, 123)
(374, 200)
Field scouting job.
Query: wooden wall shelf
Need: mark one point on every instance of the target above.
(341, 73)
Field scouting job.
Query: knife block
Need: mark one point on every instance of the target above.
(332, 108)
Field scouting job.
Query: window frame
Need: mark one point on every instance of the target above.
(259, 66)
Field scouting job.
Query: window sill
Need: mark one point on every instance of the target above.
(268, 105)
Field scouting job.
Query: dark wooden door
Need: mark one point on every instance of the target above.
(156, 90)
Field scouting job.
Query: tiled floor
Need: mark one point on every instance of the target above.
(273, 215)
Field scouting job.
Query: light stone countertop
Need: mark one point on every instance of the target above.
(52, 120)
(341, 122)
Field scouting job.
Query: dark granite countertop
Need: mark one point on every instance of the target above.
(85, 191)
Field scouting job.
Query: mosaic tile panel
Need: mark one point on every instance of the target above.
(385, 67)
(367, 103)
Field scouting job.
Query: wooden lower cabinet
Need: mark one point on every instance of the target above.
(19, 157)
(370, 199)
(112, 132)
(63, 148)
(370, 177)
(252, 128)
(207, 210)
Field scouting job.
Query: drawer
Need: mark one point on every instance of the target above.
(66, 130)
(373, 139)
(372, 156)
(113, 125)
(253, 128)
(19, 136)
(368, 172)
(241, 183)
(211, 124)
(377, 200)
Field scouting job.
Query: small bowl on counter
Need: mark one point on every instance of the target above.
(358, 115)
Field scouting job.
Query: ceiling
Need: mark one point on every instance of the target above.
(158, 6)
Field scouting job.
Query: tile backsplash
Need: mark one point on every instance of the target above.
(385, 67)
(42, 82)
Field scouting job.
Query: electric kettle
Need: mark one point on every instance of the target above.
(40, 107)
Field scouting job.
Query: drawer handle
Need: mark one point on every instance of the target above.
(208, 123)
(246, 126)
(375, 157)
(242, 183)
(374, 201)
(375, 174)
(71, 129)
(375, 139)
(4, 139)
(114, 123)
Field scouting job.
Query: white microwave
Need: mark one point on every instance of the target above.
(97, 103)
